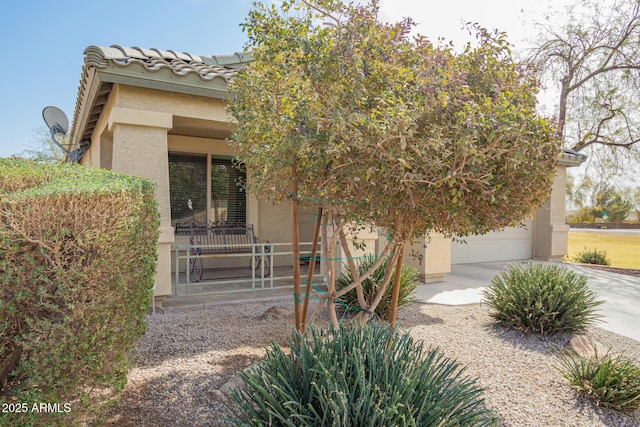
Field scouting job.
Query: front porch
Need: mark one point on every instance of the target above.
(240, 273)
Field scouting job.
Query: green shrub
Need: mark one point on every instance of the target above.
(592, 256)
(78, 250)
(613, 382)
(357, 376)
(541, 298)
(370, 286)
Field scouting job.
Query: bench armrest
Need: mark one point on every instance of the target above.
(267, 248)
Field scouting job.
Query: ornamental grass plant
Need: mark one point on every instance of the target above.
(611, 381)
(359, 375)
(592, 256)
(370, 286)
(542, 298)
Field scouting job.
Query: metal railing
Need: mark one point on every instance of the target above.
(267, 266)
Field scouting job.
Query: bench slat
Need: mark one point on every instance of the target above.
(226, 239)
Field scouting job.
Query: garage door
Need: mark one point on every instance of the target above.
(510, 244)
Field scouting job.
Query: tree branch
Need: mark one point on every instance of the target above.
(601, 71)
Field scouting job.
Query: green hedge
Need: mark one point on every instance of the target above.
(78, 253)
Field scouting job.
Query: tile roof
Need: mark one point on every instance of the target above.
(181, 64)
(161, 69)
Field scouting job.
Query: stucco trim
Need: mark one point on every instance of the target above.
(130, 116)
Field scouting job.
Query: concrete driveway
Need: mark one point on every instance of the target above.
(620, 293)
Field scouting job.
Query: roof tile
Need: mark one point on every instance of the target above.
(181, 64)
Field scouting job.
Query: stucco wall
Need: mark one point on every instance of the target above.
(176, 104)
(195, 145)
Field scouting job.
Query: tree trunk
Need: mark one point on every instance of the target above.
(396, 287)
(329, 271)
(295, 237)
(383, 286)
(562, 107)
(312, 266)
(355, 273)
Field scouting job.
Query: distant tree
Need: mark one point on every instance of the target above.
(593, 55)
(633, 195)
(342, 111)
(579, 190)
(583, 215)
(610, 204)
(44, 149)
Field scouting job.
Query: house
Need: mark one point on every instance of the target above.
(161, 115)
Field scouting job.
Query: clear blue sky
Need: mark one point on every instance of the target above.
(43, 42)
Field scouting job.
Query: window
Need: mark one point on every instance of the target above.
(192, 178)
(188, 188)
(228, 198)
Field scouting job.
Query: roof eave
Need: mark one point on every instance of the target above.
(93, 78)
(571, 158)
(216, 88)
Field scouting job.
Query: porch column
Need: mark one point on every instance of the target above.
(140, 149)
(550, 231)
(431, 256)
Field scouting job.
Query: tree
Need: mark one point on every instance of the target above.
(610, 205)
(583, 215)
(594, 56)
(632, 195)
(347, 113)
(44, 150)
(578, 191)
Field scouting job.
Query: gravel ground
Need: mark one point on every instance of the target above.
(188, 354)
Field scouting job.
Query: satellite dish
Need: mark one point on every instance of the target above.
(56, 119)
(58, 124)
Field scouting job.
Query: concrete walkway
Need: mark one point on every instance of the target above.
(464, 285)
(620, 293)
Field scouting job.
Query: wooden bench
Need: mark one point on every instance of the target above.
(223, 240)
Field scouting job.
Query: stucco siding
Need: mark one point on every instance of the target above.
(177, 104)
